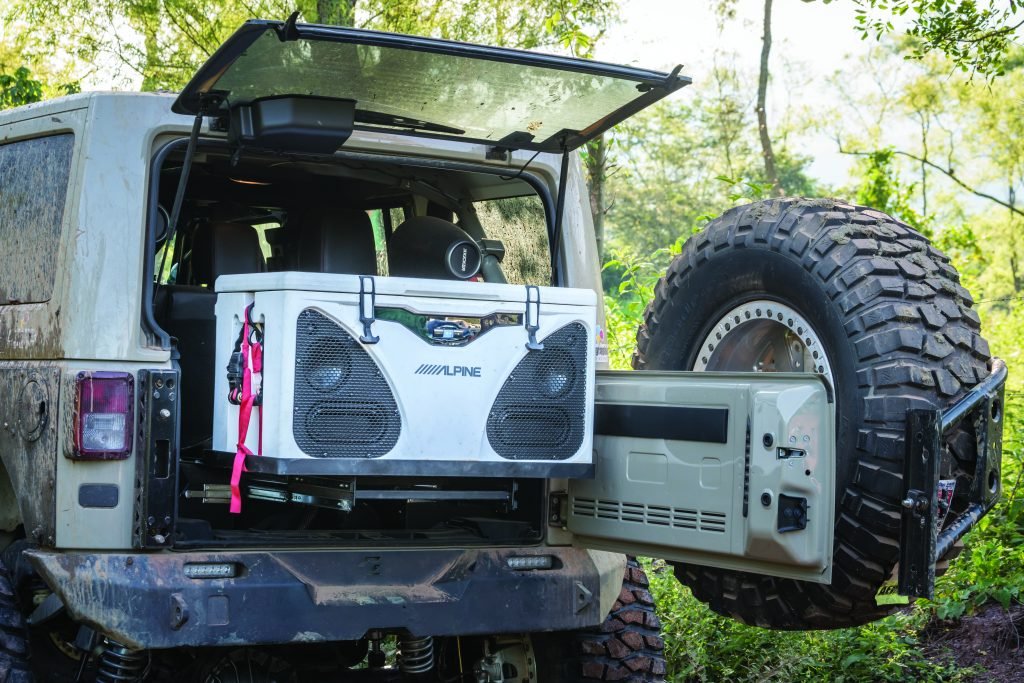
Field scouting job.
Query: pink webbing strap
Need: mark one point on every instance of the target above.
(252, 361)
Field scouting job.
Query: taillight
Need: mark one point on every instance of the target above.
(103, 415)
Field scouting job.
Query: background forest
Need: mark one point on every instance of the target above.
(929, 116)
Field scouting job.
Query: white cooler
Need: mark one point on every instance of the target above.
(438, 380)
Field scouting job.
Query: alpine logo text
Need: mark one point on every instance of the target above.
(449, 370)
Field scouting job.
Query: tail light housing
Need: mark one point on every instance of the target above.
(104, 421)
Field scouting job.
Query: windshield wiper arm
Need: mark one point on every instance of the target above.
(379, 118)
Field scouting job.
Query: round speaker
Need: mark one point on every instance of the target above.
(463, 259)
(327, 363)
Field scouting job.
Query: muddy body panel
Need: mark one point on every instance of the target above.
(30, 410)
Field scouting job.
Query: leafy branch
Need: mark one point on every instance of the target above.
(975, 35)
(947, 171)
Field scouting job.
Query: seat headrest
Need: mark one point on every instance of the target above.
(225, 249)
(336, 240)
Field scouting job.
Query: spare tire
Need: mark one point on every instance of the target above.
(845, 291)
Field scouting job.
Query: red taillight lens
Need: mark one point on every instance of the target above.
(103, 415)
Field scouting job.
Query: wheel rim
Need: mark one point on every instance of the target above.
(763, 336)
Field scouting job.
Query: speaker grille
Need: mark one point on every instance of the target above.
(344, 407)
(539, 412)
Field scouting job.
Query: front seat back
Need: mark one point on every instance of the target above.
(336, 240)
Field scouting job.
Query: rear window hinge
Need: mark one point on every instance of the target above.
(497, 154)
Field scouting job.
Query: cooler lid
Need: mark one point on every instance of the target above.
(400, 286)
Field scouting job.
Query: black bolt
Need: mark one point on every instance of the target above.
(766, 499)
(767, 440)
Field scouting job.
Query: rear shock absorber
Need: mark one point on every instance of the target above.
(118, 664)
(415, 655)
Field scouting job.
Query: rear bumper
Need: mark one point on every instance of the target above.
(145, 600)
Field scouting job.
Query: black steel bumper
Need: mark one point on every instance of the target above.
(921, 541)
(145, 600)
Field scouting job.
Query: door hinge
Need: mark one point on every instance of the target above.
(156, 501)
(558, 506)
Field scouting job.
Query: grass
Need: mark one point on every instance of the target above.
(702, 646)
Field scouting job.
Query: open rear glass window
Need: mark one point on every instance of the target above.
(405, 84)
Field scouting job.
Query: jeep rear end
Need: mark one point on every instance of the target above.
(328, 369)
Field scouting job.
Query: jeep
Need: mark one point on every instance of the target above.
(303, 377)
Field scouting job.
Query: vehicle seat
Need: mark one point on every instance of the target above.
(186, 312)
(224, 249)
(336, 240)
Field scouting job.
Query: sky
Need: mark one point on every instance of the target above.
(816, 39)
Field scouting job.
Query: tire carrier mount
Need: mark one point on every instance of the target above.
(921, 541)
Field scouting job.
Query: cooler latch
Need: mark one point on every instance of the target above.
(532, 318)
(367, 304)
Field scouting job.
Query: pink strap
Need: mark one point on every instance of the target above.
(252, 361)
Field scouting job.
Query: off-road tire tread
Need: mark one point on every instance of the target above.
(628, 646)
(14, 649)
(916, 342)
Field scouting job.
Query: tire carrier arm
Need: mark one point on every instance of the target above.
(921, 543)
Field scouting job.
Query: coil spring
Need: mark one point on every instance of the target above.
(118, 664)
(415, 655)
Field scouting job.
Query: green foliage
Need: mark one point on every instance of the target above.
(882, 189)
(19, 88)
(702, 646)
(975, 35)
(683, 160)
(634, 282)
(961, 243)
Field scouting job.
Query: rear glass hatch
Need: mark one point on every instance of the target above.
(427, 87)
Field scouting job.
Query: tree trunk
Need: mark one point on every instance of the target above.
(1018, 279)
(924, 171)
(771, 175)
(597, 168)
(336, 12)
